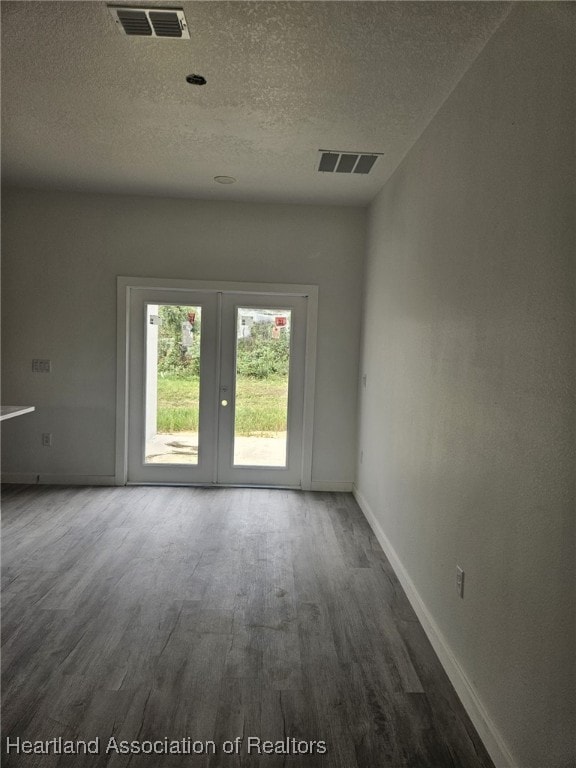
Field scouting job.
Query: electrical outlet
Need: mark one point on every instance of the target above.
(47, 439)
(364, 381)
(460, 581)
(361, 456)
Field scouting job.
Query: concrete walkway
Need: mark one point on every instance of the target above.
(267, 450)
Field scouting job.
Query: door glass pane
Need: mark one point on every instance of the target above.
(261, 403)
(172, 401)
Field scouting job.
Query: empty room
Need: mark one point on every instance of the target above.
(288, 366)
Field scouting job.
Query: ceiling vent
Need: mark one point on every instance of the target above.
(346, 162)
(150, 22)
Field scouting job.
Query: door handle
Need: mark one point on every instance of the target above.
(223, 395)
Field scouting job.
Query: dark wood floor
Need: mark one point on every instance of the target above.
(210, 614)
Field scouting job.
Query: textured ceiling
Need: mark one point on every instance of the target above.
(86, 108)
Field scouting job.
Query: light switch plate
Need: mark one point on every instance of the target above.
(41, 366)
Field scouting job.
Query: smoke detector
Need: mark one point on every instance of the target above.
(334, 161)
(150, 22)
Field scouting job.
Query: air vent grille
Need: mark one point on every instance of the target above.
(332, 161)
(134, 22)
(150, 22)
(166, 24)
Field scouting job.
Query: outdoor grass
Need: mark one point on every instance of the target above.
(260, 405)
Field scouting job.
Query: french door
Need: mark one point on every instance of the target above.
(216, 387)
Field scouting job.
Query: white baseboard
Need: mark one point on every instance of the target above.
(19, 478)
(485, 726)
(28, 478)
(319, 485)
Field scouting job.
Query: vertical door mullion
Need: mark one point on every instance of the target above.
(226, 389)
(216, 391)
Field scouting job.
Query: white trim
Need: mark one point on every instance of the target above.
(170, 284)
(467, 693)
(336, 487)
(309, 387)
(29, 478)
(20, 478)
(212, 485)
(122, 339)
(127, 284)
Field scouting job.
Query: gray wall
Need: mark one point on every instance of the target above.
(467, 420)
(61, 255)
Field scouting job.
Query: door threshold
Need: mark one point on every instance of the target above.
(217, 485)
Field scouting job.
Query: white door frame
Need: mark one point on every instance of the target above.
(126, 286)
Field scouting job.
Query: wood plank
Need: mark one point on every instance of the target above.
(144, 613)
